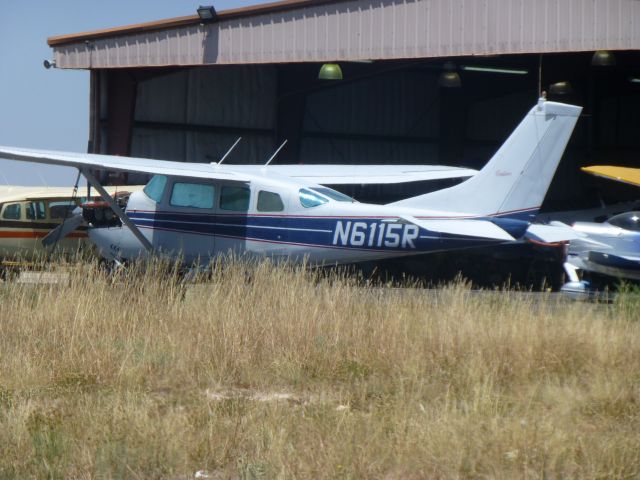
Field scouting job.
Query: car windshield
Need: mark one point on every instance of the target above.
(333, 194)
(628, 221)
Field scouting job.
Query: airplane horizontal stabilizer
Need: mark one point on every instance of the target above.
(463, 227)
(552, 233)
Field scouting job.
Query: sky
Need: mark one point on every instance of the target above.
(49, 109)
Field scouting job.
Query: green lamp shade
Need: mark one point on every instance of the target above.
(449, 78)
(603, 58)
(560, 88)
(330, 71)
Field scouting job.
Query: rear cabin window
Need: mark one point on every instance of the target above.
(235, 199)
(11, 211)
(155, 188)
(192, 195)
(36, 211)
(269, 202)
(310, 199)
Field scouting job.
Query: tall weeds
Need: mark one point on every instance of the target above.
(270, 371)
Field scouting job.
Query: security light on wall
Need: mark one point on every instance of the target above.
(449, 78)
(48, 64)
(207, 13)
(603, 58)
(330, 71)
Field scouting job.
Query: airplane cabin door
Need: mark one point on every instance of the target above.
(232, 218)
(186, 224)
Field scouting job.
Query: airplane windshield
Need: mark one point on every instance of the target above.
(333, 194)
(155, 188)
(310, 199)
(628, 221)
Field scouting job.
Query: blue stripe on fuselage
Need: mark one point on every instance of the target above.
(334, 232)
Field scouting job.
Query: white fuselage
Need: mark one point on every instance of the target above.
(329, 232)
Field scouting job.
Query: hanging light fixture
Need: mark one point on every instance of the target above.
(449, 78)
(560, 88)
(330, 71)
(603, 58)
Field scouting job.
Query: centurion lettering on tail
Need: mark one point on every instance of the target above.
(375, 234)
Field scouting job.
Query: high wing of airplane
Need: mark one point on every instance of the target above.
(627, 175)
(198, 211)
(365, 174)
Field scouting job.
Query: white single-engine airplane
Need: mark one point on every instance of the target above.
(198, 211)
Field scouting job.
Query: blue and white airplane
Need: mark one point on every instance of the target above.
(198, 211)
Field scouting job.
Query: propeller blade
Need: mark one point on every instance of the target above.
(62, 230)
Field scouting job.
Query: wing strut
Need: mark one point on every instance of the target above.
(118, 211)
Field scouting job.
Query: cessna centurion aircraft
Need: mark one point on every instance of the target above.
(197, 211)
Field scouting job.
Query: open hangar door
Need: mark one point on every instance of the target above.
(387, 112)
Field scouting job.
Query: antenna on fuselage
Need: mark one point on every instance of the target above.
(275, 153)
(228, 152)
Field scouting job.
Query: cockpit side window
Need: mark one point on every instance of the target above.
(269, 202)
(155, 188)
(11, 211)
(61, 208)
(309, 199)
(628, 221)
(235, 199)
(192, 195)
(36, 211)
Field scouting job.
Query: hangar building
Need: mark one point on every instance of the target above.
(423, 81)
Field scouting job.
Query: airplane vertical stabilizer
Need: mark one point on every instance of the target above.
(516, 179)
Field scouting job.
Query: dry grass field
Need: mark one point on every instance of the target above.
(272, 372)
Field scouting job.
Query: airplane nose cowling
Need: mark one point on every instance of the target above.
(107, 241)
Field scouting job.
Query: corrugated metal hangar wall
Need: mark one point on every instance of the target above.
(180, 90)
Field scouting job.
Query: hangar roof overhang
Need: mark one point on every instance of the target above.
(293, 31)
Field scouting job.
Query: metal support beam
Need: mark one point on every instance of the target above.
(94, 112)
(118, 211)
